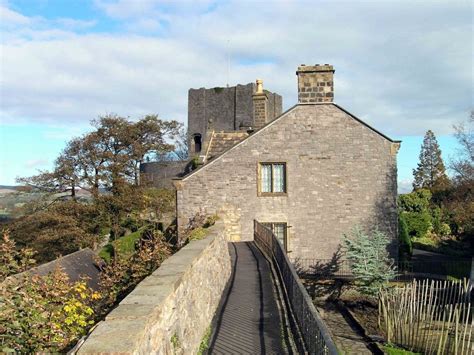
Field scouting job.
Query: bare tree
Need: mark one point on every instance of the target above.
(463, 164)
(181, 150)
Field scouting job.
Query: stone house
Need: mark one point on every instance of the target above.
(313, 173)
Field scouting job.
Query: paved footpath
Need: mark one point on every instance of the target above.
(248, 319)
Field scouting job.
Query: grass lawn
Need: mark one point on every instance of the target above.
(445, 246)
(392, 350)
(124, 246)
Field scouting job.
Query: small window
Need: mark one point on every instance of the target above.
(272, 178)
(279, 230)
(197, 143)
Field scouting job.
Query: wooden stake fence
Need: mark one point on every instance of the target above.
(430, 316)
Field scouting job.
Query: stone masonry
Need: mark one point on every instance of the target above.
(170, 310)
(225, 109)
(340, 173)
(315, 83)
(260, 107)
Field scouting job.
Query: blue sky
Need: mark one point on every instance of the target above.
(402, 66)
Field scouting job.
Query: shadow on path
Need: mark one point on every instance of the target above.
(248, 318)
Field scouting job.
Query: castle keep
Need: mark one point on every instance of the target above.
(227, 110)
(311, 174)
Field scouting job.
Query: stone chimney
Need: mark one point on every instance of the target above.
(260, 106)
(315, 83)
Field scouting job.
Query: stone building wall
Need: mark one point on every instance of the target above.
(340, 173)
(170, 310)
(225, 109)
(160, 174)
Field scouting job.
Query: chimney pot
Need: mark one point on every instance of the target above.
(259, 86)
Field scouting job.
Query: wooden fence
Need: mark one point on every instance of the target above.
(432, 317)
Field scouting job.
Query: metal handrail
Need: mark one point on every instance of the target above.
(313, 330)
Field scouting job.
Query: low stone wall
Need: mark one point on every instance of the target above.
(169, 311)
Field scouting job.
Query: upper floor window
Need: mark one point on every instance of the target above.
(272, 179)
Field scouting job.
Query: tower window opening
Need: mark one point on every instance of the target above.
(197, 143)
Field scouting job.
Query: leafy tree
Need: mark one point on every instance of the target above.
(108, 156)
(430, 172)
(124, 273)
(12, 260)
(416, 201)
(46, 314)
(369, 259)
(418, 223)
(415, 210)
(406, 248)
(459, 201)
(63, 228)
(149, 136)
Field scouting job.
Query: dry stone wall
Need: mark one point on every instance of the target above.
(170, 310)
(340, 173)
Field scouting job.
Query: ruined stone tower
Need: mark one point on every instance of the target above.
(234, 109)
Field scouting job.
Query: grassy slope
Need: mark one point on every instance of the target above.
(124, 246)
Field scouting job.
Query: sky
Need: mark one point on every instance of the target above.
(402, 66)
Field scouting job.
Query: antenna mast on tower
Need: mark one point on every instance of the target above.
(228, 61)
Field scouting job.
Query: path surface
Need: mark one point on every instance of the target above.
(248, 320)
(424, 255)
(346, 337)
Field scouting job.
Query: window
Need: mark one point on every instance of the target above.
(197, 142)
(279, 229)
(272, 178)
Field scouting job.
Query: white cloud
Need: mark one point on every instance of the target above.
(74, 24)
(12, 18)
(403, 67)
(405, 186)
(36, 163)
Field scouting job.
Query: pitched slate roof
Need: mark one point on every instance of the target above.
(220, 142)
(81, 263)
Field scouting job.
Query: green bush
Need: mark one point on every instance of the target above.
(416, 201)
(444, 230)
(198, 234)
(418, 223)
(131, 224)
(124, 246)
(406, 247)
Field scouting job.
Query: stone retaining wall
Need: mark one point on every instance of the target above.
(170, 310)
